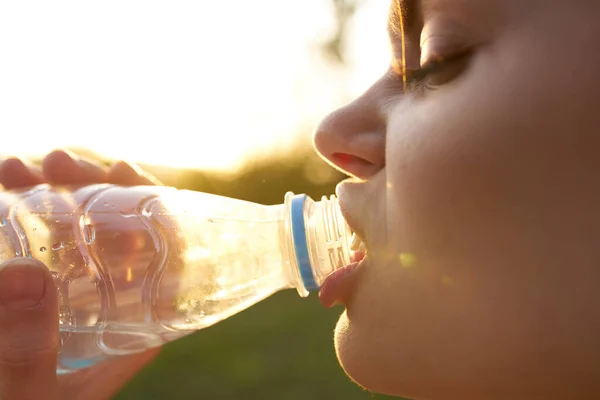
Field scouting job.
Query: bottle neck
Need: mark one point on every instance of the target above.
(317, 240)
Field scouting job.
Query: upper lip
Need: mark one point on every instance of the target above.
(348, 207)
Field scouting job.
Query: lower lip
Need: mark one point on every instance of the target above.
(336, 285)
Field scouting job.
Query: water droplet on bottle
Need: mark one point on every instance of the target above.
(58, 246)
(18, 253)
(43, 249)
(127, 212)
(89, 233)
(3, 221)
(106, 204)
(65, 315)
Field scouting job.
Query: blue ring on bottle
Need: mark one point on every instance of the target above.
(75, 364)
(301, 244)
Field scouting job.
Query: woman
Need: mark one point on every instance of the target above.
(477, 198)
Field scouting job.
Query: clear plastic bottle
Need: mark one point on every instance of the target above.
(136, 267)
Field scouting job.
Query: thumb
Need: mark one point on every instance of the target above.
(28, 331)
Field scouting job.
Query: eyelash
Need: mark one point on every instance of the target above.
(415, 80)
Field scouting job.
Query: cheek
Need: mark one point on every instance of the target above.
(496, 170)
(491, 193)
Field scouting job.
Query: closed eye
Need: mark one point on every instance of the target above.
(435, 72)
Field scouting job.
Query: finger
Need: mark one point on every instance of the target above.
(111, 376)
(128, 174)
(15, 173)
(28, 331)
(62, 167)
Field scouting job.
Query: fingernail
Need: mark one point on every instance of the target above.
(69, 153)
(82, 160)
(133, 166)
(22, 283)
(125, 169)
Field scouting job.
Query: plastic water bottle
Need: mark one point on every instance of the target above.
(136, 267)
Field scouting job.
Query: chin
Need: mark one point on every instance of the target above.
(363, 361)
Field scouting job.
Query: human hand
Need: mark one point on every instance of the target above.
(29, 310)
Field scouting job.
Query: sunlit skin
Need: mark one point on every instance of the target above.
(483, 176)
(478, 198)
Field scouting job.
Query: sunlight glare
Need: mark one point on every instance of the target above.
(184, 84)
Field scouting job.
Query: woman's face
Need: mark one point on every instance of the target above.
(479, 200)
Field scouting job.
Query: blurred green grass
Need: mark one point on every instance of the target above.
(281, 348)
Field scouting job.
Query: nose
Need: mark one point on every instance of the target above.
(352, 138)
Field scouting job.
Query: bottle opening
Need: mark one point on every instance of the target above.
(321, 239)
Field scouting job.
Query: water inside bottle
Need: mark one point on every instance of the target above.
(135, 268)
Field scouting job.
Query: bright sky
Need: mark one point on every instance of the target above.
(197, 83)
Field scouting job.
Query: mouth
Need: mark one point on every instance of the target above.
(338, 286)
